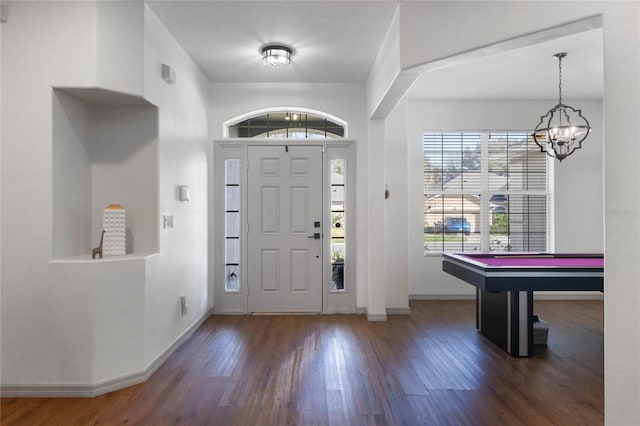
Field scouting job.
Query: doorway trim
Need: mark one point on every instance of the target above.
(236, 302)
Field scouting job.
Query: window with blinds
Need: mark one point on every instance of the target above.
(484, 191)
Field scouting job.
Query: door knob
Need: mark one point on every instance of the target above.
(315, 236)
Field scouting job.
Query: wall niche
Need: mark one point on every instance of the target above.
(105, 151)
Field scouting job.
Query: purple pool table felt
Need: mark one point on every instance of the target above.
(540, 261)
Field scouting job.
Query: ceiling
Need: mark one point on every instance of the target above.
(333, 41)
(337, 41)
(529, 73)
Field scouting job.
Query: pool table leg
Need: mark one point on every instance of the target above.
(506, 318)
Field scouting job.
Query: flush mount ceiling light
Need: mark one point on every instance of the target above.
(276, 55)
(563, 128)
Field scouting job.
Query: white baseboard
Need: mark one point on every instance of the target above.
(544, 295)
(340, 312)
(568, 295)
(110, 385)
(232, 311)
(398, 311)
(330, 312)
(382, 317)
(74, 391)
(376, 317)
(442, 297)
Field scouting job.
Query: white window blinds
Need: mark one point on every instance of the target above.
(484, 191)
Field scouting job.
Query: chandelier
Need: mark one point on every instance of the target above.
(563, 128)
(276, 56)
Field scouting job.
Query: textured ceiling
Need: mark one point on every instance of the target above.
(333, 41)
(337, 41)
(527, 73)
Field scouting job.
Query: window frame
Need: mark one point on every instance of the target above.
(485, 192)
(331, 123)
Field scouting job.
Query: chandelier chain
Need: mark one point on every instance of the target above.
(560, 79)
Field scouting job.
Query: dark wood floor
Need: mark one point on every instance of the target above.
(430, 367)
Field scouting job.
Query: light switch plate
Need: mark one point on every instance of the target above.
(167, 221)
(184, 192)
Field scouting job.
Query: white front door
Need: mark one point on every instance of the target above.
(284, 242)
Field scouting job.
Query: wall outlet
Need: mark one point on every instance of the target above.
(183, 306)
(167, 221)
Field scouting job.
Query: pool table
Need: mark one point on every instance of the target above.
(505, 284)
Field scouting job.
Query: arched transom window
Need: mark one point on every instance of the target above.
(288, 124)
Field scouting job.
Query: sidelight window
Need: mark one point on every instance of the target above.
(338, 223)
(232, 225)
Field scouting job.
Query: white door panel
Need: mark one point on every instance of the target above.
(284, 203)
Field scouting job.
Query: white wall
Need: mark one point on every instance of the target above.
(396, 208)
(120, 46)
(76, 324)
(0, 196)
(123, 151)
(579, 190)
(118, 320)
(71, 176)
(46, 329)
(374, 248)
(386, 66)
(578, 181)
(345, 101)
(184, 148)
(622, 213)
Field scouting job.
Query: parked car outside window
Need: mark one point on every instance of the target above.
(452, 225)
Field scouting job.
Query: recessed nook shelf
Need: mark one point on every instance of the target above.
(105, 151)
